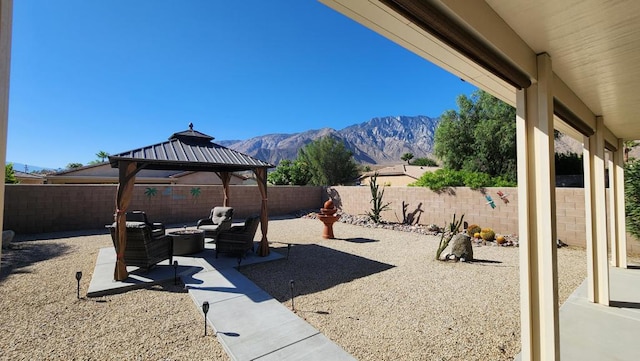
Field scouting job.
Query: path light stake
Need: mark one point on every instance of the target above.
(78, 277)
(239, 261)
(175, 272)
(288, 249)
(292, 304)
(205, 309)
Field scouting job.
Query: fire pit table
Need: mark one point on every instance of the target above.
(187, 241)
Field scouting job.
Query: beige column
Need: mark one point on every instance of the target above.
(618, 232)
(596, 216)
(6, 16)
(537, 218)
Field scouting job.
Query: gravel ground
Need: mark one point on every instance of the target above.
(42, 319)
(378, 293)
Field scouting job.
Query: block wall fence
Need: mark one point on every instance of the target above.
(429, 207)
(31, 208)
(34, 208)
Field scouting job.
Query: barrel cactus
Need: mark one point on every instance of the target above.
(473, 229)
(500, 239)
(487, 234)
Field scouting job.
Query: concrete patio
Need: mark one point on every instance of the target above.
(593, 332)
(248, 322)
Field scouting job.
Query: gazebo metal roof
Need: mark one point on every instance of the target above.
(192, 151)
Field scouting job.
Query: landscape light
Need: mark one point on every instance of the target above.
(78, 277)
(292, 304)
(205, 309)
(288, 249)
(175, 272)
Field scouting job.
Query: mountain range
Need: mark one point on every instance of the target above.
(378, 141)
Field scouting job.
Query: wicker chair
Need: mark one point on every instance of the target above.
(238, 239)
(218, 221)
(143, 248)
(157, 228)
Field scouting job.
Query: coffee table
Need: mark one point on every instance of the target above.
(187, 241)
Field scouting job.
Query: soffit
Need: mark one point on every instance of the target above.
(594, 48)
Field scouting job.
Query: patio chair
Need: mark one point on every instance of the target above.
(219, 220)
(157, 228)
(238, 239)
(143, 248)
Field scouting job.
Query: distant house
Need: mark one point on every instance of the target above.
(103, 173)
(29, 178)
(397, 175)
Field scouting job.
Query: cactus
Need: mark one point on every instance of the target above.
(487, 234)
(473, 229)
(500, 239)
(376, 199)
(454, 227)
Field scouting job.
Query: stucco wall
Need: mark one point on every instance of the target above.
(32, 209)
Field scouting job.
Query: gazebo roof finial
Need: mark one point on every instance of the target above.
(190, 126)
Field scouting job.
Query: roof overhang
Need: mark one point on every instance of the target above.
(594, 47)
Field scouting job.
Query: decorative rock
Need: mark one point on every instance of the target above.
(461, 246)
(7, 238)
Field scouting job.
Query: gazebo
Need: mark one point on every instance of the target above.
(188, 150)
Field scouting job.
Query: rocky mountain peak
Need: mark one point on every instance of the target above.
(381, 140)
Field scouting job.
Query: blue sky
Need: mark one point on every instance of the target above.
(114, 75)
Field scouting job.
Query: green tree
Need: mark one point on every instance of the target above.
(407, 157)
(74, 165)
(102, 155)
(10, 174)
(632, 196)
(425, 162)
(569, 163)
(479, 137)
(628, 146)
(329, 162)
(290, 173)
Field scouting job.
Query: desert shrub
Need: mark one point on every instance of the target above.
(632, 197)
(425, 162)
(503, 182)
(475, 180)
(443, 178)
(440, 179)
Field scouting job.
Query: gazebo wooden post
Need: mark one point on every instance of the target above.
(261, 175)
(127, 179)
(225, 177)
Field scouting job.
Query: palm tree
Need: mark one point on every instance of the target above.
(407, 157)
(102, 155)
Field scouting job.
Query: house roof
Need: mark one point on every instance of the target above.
(413, 171)
(20, 174)
(104, 173)
(190, 150)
